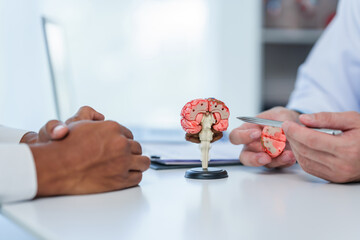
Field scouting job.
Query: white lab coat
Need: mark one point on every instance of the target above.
(329, 80)
(24, 88)
(17, 168)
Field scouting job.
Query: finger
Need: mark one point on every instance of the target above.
(244, 136)
(342, 120)
(315, 155)
(53, 130)
(286, 159)
(254, 147)
(311, 138)
(310, 166)
(251, 154)
(314, 168)
(289, 165)
(280, 114)
(126, 132)
(121, 181)
(134, 178)
(254, 159)
(116, 127)
(98, 116)
(86, 113)
(140, 163)
(135, 147)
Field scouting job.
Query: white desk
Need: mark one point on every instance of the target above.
(253, 203)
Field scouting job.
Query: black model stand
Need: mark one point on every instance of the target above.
(209, 173)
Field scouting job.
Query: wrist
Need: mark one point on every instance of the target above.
(49, 171)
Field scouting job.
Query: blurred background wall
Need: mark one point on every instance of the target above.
(139, 62)
(25, 90)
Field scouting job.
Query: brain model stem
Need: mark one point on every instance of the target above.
(206, 135)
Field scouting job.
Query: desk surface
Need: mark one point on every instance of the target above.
(253, 203)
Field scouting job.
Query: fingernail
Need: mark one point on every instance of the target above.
(255, 135)
(58, 128)
(307, 117)
(263, 161)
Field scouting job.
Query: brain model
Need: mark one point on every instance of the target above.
(193, 112)
(200, 117)
(273, 140)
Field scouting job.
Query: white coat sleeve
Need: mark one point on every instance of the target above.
(11, 135)
(17, 173)
(329, 80)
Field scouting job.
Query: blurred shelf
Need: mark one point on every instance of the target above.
(278, 90)
(291, 36)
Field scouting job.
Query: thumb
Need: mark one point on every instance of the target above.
(335, 120)
(244, 136)
(53, 130)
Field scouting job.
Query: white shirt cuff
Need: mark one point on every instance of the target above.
(11, 135)
(18, 179)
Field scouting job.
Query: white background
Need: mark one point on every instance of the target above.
(138, 62)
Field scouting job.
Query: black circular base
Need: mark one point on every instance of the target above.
(210, 173)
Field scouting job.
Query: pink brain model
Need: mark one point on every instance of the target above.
(192, 114)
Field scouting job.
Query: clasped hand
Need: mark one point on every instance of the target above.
(85, 155)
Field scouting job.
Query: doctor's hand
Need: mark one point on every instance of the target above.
(96, 156)
(333, 158)
(249, 134)
(57, 130)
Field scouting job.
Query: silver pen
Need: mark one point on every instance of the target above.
(273, 123)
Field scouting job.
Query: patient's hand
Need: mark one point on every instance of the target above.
(96, 156)
(57, 130)
(249, 134)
